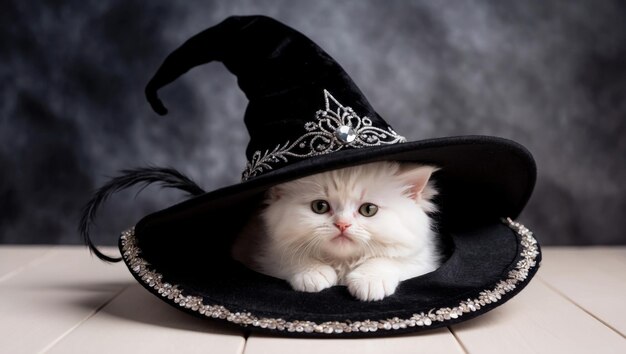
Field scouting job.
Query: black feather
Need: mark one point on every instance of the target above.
(165, 177)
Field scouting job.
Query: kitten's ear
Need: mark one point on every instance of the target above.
(273, 194)
(416, 177)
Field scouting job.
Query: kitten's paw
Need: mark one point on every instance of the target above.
(314, 279)
(371, 286)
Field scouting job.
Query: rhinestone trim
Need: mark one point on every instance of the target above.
(153, 279)
(321, 138)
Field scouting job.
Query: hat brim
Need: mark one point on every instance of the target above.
(182, 254)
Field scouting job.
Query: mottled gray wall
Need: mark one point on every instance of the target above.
(548, 74)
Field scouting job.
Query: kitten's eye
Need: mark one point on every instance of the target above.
(320, 206)
(368, 209)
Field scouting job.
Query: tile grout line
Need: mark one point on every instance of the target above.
(74, 327)
(246, 336)
(245, 345)
(30, 264)
(458, 340)
(551, 287)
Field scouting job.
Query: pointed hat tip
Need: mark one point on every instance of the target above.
(154, 100)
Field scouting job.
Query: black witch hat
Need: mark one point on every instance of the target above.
(305, 115)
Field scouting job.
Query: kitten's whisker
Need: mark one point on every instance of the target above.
(303, 251)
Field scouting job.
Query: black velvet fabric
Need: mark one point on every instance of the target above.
(211, 273)
(196, 261)
(284, 75)
(481, 180)
(281, 71)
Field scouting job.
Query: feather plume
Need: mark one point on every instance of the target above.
(144, 176)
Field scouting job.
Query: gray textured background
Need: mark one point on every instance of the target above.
(548, 74)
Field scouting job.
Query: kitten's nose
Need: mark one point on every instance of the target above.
(342, 226)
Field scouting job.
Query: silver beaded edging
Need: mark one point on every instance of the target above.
(153, 279)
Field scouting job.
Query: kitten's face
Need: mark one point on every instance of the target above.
(374, 210)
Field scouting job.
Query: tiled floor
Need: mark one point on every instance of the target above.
(61, 300)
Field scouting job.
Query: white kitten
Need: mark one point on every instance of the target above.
(365, 227)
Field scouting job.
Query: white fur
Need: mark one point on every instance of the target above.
(395, 244)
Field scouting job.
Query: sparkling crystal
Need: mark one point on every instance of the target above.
(336, 116)
(345, 134)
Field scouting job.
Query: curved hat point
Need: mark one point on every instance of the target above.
(154, 100)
